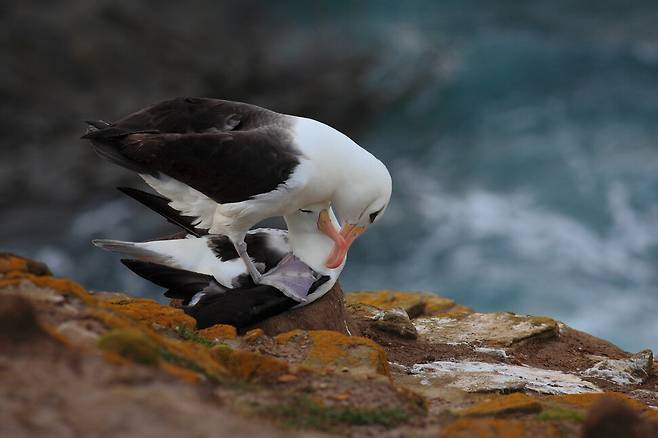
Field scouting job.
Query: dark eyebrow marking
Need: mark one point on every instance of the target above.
(373, 216)
(305, 211)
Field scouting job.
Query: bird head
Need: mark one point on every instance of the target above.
(358, 204)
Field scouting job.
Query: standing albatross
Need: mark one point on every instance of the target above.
(231, 165)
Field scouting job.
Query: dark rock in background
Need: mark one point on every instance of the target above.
(327, 313)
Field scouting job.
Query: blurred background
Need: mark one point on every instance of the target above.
(521, 136)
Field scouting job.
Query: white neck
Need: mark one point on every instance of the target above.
(308, 243)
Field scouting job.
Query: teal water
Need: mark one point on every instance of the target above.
(526, 167)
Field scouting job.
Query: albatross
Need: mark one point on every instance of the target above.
(206, 273)
(230, 165)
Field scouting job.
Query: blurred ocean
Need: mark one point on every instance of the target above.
(524, 157)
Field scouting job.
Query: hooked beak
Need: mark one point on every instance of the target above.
(342, 240)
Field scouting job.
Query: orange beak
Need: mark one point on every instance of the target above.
(342, 240)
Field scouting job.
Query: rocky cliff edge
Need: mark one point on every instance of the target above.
(382, 363)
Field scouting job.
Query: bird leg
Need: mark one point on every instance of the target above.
(241, 248)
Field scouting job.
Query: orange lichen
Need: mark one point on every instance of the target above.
(180, 372)
(10, 263)
(284, 338)
(247, 365)
(505, 404)
(253, 335)
(414, 303)
(584, 401)
(329, 348)
(484, 428)
(218, 332)
(150, 312)
(455, 311)
(63, 286)
(131, 344)
(192, 354)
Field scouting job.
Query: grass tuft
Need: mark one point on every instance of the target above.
(559, 413)
(301, 413)
(187, 334)
(131, 344)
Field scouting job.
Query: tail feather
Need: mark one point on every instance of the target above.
(180, 283)
(131, 249)
(208, 302)
(160, 205)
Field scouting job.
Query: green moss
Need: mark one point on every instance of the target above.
(302, 412)
(559, 413)
(181, 361)
(130, 344)
(187, 334)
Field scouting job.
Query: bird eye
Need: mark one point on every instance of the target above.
(305, 211)
(373, 216)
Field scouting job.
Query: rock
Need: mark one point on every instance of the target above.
(130, 344)
(414, 303)
(496, 352)
(150, 312)
(499, 329)
(18, 320)
(632, 371)
(327, 313)
(317, 379)
(394, 320)
(489, 377)
(506, 404)
(585, 401)
(251, 366)
(33, 293)
(611, 417)
(10, 262)
(333, 351)
(484, 427)
(78, 334)
(218, 332)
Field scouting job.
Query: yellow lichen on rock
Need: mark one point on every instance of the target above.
(585, 401)
(353, 354)
(62, 286)
(504, 404)
(414, 303)
(10, 263)
(218, 332)
(131, 344)
(253, 335)
(180, 373)
(250, 366)
(284, 338)
(504, 428)
(150, 312)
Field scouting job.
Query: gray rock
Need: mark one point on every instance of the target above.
(395, 321)
(632, 371)
(499, 329)
(471, 376)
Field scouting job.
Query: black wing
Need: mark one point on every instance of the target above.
(160, 205)
(241, 307)
(229, 151)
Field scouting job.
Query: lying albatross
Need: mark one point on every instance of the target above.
(204, 271)
(230, 165)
